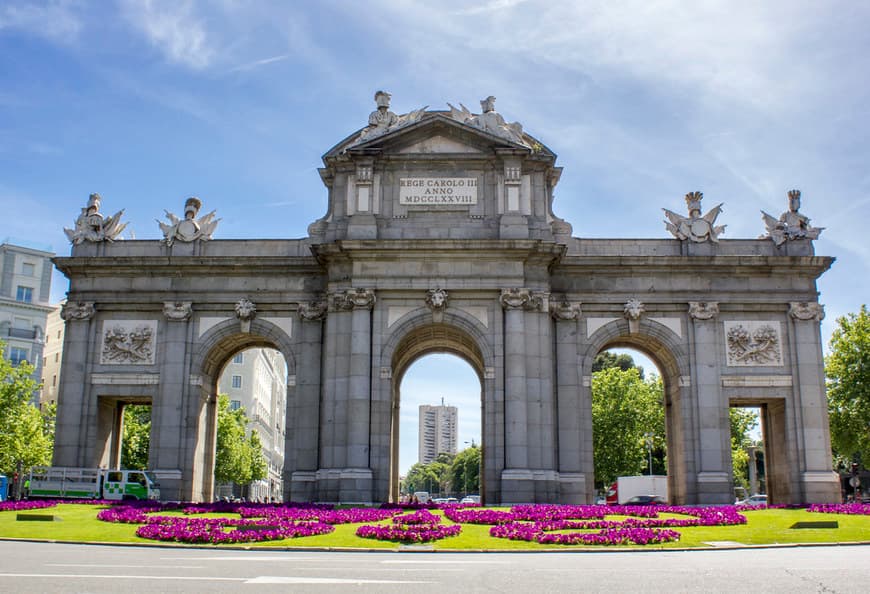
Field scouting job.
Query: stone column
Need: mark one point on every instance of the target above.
(517, 478)
(70, 448)
(165, 453)
(303, 414)
(818, 481)
(344, 473)
(714, 479)
(573, 425)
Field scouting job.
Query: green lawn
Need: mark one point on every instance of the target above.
(79, 523)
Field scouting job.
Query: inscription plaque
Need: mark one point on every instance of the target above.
(438, 191)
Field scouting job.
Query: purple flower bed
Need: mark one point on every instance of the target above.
(408, 533)
(419, 517)
(615, 535)
(213, 530)
(27, 504)
(855, 509)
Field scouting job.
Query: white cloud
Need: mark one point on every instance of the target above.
(54, 19)
(173, 28)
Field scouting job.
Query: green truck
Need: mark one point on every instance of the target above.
(91, 483)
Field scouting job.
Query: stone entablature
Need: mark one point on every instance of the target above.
(497, 280)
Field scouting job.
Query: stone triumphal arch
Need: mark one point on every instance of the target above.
(440, 236)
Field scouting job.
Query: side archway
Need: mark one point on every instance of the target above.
(667, 350)
(216, 347)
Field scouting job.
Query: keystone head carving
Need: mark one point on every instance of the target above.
(245, 309)
(436, 299)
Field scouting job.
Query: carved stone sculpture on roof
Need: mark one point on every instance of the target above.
(695, 227)
(791, 224)
(189, 228)
(489, 120)
(92, 226)
(382, 120)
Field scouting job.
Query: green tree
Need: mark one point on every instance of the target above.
(26, 436)
(742, 420)
(848, 371)
(465, 471)
(608, 359)
(259, 469)
(624, 408)
(238, 457)
(137, 436)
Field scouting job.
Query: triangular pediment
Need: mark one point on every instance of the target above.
(439, 144)
(434, 133)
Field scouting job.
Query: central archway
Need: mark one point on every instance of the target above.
(415, 344)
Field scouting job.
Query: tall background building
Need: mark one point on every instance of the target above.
(25, 287)
(256, 379)
(438, 431)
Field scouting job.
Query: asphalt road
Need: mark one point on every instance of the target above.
(50, 567)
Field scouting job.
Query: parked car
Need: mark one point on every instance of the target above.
(755, 500)
(470, 499)
(646, 500)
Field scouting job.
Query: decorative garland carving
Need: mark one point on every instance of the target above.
(753, 343)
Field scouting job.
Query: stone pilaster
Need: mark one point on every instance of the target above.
(70, 447)
(303, 408)
(818, 481)
(167, 405)
(573, 423)
(714, 482)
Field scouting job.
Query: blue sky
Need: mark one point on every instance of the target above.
(149, 102)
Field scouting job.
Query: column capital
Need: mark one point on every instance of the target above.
(177, 311)
(523, 298)
(703, 310)
(564, 309)
(352, 299)
(806, 310)
(77, 310)
(312, 311)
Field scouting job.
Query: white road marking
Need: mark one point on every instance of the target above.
(239, 558)
(122, 577)
(269, 579)
(442, 562)
(138, 566)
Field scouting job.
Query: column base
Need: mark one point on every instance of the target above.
(302, 487)
(344, 485)
(714, 488)
(572, 489)
(821, 487)
(170, 483)
(524, 485)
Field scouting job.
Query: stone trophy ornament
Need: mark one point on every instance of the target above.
(382, 120)
(791, 224)
(189, 228)
(695, 227)
(92, 226)
(489, 120)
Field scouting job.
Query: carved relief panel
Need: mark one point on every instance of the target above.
(753, 344)
(128, 342)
